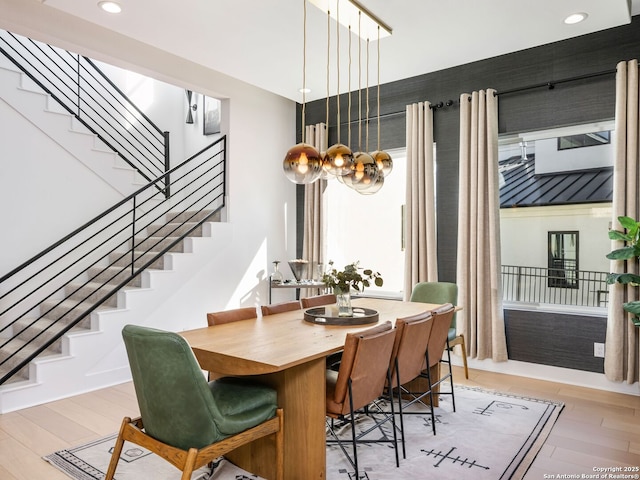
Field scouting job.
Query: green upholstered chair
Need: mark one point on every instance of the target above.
(442, 292)
(185, 419)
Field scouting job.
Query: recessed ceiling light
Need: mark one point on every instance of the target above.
(304, 90)
(110, 7)
(575, 18)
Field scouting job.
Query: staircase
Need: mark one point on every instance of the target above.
(39, 109)
(90, 355)
(61, 312)
(91, 270)
(84, 91)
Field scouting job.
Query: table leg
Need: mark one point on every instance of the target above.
(301, 394)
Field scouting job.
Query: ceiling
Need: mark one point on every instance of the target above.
(261, 41)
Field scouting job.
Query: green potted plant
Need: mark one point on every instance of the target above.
(631, 237)
(342, 281)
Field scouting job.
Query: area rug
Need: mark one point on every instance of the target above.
(490, 436)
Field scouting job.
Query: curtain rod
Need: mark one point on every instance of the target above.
(550, 85)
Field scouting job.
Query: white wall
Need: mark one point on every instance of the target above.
(524, 233)
(260, 128)
(165, 105)
(45, 192)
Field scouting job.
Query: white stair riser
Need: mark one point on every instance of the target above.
(97, 358)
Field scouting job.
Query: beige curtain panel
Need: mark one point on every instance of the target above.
(421, 263)
(478, 269)
(313, 240)
(621, 352)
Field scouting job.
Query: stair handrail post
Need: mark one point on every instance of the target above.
(167, 166)
(133, 235)
(78, 86)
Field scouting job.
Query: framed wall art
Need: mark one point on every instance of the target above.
(211, 115)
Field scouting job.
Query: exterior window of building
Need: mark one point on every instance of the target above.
(584, 140)
(563, 259)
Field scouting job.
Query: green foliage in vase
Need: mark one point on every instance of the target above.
(631, 250)
(342, 281)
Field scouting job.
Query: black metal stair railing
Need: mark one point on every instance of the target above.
(59, 288)
(83, 90)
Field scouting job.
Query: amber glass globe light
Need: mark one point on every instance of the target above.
(365, 169)
(371, 188)
(325, 173)
(384, 161)
(340, 159)
(302, 164)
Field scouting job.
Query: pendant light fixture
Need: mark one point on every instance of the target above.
(365, 169)
(326, 166)
(362, 171)
(382, 158)
(302, 163)
(339, 157)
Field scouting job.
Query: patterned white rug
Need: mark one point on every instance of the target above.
(491, 436)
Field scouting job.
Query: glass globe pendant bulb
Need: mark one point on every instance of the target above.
(384, 161)
(371, 188)
(364, 168)
(347, 178)
(326, 167)
(340, 159)
(302, 164)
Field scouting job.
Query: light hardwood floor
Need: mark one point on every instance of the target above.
(595, 429)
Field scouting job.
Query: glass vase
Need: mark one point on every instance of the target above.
(343, 301)
(276, 276)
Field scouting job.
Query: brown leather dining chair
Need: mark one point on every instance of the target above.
(417, 391)
(408, 359)
(333, 360)
(318, 300)
(437, 341)
(280, 307)
(441, 293)
(234, 315)
(360, 381)
(228, 316)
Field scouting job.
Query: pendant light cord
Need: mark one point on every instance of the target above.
(359, 84)
(304, 64)
(328, 61)
(378, 88)
(367, 97)
(349, 89)
(338, 65)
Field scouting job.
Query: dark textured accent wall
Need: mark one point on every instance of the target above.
(544, 339)
(555, 339)
(568, 103)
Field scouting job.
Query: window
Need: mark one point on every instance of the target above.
(563, 260)
(368, 228)
(584, 140)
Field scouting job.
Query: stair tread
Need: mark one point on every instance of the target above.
(99, 285)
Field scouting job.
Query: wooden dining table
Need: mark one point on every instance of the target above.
(289, 354)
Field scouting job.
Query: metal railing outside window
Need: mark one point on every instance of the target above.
(536, 285)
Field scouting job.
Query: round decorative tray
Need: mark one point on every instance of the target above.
(328, 316)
